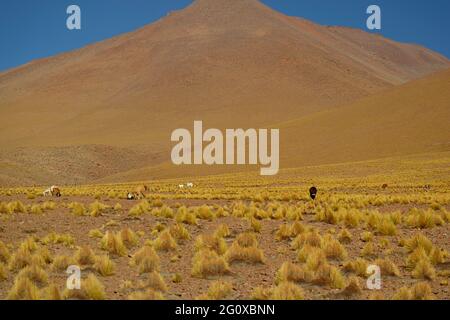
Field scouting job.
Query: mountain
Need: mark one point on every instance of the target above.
(410, 119)
(234, 63)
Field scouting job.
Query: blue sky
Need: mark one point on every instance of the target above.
(31, 29)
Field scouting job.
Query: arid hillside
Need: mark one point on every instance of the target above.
(234, 63)
(408, 119)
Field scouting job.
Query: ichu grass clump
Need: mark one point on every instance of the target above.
(212, 242)
(165, 242)
(207, 263)
(146, 260)
(218, 290)
(113, 244)
(129, 237)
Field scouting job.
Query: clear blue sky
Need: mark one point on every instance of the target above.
(31, 29)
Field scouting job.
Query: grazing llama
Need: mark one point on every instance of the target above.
(313, 193)
(53, 191)
(141, 191)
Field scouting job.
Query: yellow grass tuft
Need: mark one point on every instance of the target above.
(218, 290)
(113, 244)
(333, 249)
(358, 266)
(255, 225)
(423, 219)
(424, 270)
(420, 291)
(418, 241)
(183, 216)
(96, 209)
(165, 242)
(146, 260)
(146, 295)
(91, 289)
(366, 236)
(164, 212)
(29, 244)
(417, 255)
(56, 238)
(141, 208)
(345, 236)
(368, 250)
(129, 237)
(222, 231)
(23, 289)
(387, 267)
(156, 282)
(96, 233)
(327, 215)
(246, 239)
(16, 207)
(48, 205)
(3, 272)
(386, 226)
(44, 254)
(31, 196)
(61, 263)
(402, 294)
(283, 232)
(159, 227)
(204, 212)
(294, 214)
(306, 251)
(158, 203)
(438, 256)
(36, 209)
(287, 291)
(20, 259)
(293, 273)
(329, 275)
(4, 253)
(260, 293)
(377, 296)
(208, 263)
(179, 232)
(77, 209)
(176, 278)
(85, 256)
(221, 212)
(34, 273)
(315, 259)
(311, 238)
(297, 228)
(353, 287)
(211, 242)
(104, 266)
(237, 253)
(51, 292)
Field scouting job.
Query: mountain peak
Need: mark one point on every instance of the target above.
(211, 4)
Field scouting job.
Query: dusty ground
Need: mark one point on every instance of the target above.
(245, 277)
